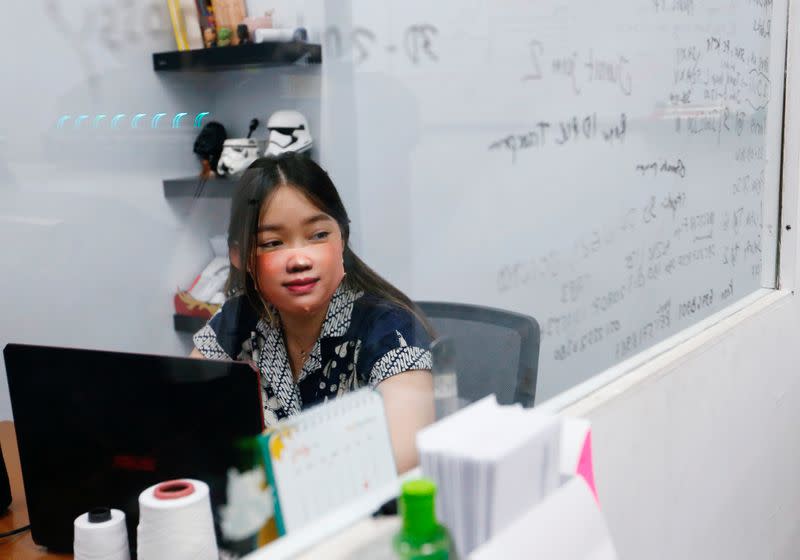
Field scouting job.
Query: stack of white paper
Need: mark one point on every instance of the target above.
(491, 464)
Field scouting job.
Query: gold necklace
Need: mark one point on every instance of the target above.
(301, 353)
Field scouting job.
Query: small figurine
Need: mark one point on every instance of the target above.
(209, 37)
(258, 22)
(224, 37)
(243, 34)
(208, 147)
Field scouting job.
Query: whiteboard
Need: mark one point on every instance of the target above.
(610, 168)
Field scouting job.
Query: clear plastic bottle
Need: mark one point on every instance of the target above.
(421, 536)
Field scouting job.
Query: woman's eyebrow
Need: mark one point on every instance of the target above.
(317, 218)
(308, 221)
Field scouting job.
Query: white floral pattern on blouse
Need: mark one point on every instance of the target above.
(363, 341)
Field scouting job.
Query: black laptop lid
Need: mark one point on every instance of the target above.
(96, 428)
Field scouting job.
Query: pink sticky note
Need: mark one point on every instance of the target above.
(585, 467)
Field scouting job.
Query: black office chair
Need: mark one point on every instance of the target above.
(491, 350)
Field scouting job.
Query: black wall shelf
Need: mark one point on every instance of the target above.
(185, 323)
(270, 54)
(188, 187)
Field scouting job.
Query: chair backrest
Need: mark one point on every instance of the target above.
(494, 351)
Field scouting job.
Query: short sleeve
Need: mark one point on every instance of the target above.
(395, 342)
(225, 333)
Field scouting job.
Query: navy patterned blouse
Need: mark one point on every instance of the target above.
(363, 341)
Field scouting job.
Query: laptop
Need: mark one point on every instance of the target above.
(96, 428)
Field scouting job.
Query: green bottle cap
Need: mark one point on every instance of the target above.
(417, 508)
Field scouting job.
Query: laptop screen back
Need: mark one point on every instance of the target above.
(96, 428)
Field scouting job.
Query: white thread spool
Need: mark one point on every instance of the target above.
(280, 35)
(176, 523)
(101, 534)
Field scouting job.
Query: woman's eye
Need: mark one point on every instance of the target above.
(271, 244)
(321, 235)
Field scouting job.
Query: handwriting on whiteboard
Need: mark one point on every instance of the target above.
(418, 44)
(653, 168)
(580, 70)
(575, 129)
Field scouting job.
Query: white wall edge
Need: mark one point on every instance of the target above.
(790, 166)
(658, 359)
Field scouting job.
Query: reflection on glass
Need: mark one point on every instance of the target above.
(610, 173)
(307, 313)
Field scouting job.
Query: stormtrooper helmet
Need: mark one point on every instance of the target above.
(237, 155)
(288, 132)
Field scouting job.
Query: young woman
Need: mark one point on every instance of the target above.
(308, 314)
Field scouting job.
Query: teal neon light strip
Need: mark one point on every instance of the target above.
(199, 118)
(176, 122)
(156, 118)
(97, 120)
(135, 120)
(116, 119)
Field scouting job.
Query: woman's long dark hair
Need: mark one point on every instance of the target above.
(257, 185)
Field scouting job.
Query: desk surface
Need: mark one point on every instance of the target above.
(18, 547)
